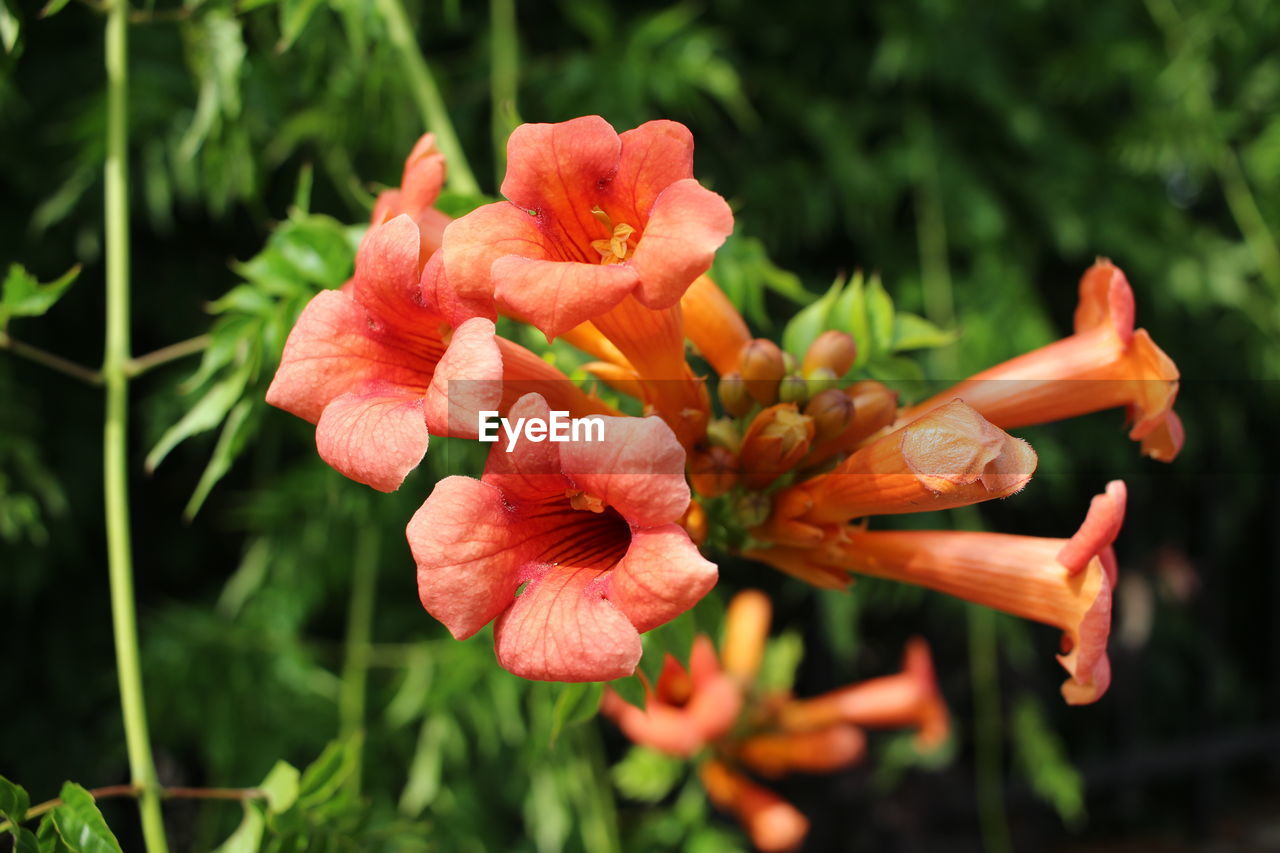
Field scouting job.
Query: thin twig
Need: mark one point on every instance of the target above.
(141, 364)
(110, 791)
(49, 360)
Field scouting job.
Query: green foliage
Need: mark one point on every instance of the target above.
(1043, 760)
(80, 824)
(647, 775)
(21, 295)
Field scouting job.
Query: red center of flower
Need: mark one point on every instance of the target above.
(582, 532)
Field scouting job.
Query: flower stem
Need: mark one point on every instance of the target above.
(50, 360)
(359, 645)
(427, 95)
(504, 78)
(114, 434)
(191, 346)
(989, 773)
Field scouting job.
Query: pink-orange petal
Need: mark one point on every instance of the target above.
(661, 576)
(561, 628)
(466, 382)
(686, 225)
(555, 296)
(461, 539)
(473, 242)
(638, 470)
(387, 273)
(375, 437)
(654, 156)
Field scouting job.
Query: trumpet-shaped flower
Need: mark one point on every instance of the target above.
(1066, 583)
(685, 710)
(593, 217)
(910, 699)
(1106, 364)
(572, 547)
(773, 824)
(377, 370)
(948, 457)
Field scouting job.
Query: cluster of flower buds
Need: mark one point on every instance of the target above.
(738, 732)
(574, 549)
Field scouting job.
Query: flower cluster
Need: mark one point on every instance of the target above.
(573, 549)
(716, 711)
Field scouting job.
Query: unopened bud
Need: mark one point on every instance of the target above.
(822, 379)
(733, 395)
(723, 432)
(834, 350)
(832, 412)
(793, 389)
(713, 472)
(777, 439)
(762, 365)
(752, 509)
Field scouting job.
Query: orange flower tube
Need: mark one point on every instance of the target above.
(773, 824)
(713, 324)
(746, 628)
(1066, 583)
(1106, 364)
(946, 458)
(910, 699)
(820, 751)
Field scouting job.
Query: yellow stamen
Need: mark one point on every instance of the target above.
(615, 248)
(581, 500)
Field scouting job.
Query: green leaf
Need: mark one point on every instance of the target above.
(782, 656)
(10, 27)
(53, 7)
(294, 15)
(879, 317)
(647, 775)
(236, 432)
(81, 825)
(14, 801)
(457, 204)
(281, 787)
(911, 331)
(850, 315)
(631, 689)
(206, 414)
(21, 295)
(575, 703)
(325, 776)
(811, 321)
(1043, 760)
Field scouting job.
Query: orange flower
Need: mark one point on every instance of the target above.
(420, 185)
(820, 751)
(909, 699)
(773, 824)
(686, 710)
(1104, 365)
(946, 458)
(776, 441)
(713, 324)
(1062, 582)
(746, 627)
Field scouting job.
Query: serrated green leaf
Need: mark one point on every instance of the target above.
(647, 775)
(911, 331)
(575, 703)
(14, 801)
(281, 787)
(810, 321)
(80, 823)
(236, 432)
(22, 295)
(248, 835)
(206, 414)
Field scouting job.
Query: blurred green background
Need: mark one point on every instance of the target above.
(977, 156)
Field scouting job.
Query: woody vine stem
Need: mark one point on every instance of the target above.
(115, 376)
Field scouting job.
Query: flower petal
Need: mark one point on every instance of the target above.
(561, 628)
(387, 275)
(638, 470)
(335, 347)
(654, 156)
(661, 576)
(461, 539)
(686, 225)
(557, 295)
(530, 471)
(557, 170)
(467, 381)
(473, 242)
(375, 437)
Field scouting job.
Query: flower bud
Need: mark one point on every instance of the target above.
(777, 439)
(694, 521)
(833, 350)
(832, 412)
(724, 432)
(793, 389)
(762, 365)
(733, 395)
(822, 379)
(713, 472)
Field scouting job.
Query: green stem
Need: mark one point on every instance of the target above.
(49, 360)
(504, 78)
(359, 640)
(427, 95)
(931, 240)
(987, 737)
(114, 434)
